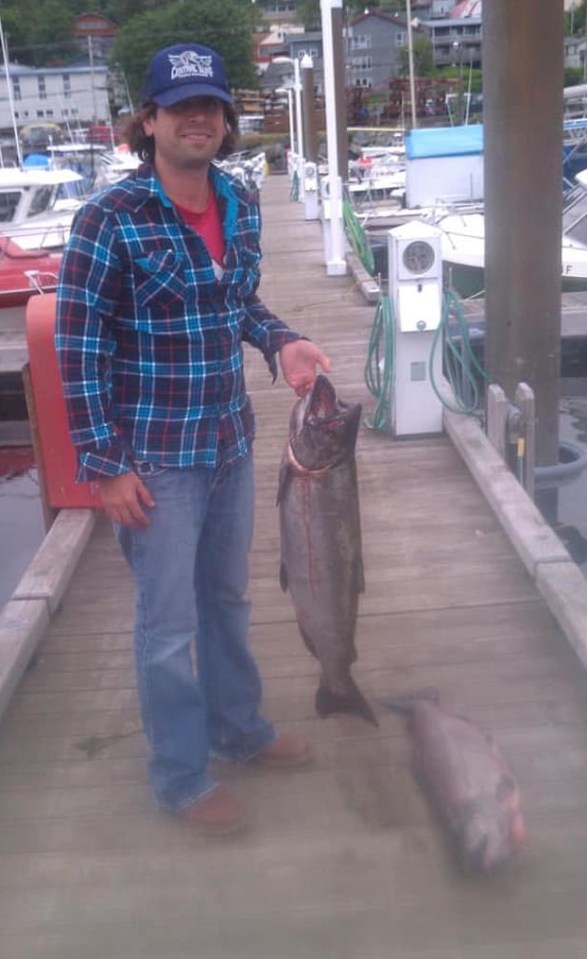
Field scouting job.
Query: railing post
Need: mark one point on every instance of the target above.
(497, 414)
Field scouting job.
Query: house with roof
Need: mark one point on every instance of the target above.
(457, 39)
(375, 41)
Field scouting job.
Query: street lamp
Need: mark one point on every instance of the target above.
(411, 63)
(459, 49)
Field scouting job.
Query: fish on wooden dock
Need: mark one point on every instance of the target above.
(321, 556)
(469, 780)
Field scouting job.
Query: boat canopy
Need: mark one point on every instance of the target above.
(444, 141)
(14, 178)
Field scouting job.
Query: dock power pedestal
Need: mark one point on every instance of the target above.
(415, 290)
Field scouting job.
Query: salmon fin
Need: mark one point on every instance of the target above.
(353, 701)
(283, 578)
(283, 481)
(405, 703)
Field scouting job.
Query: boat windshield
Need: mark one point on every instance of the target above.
(575, 217)
(8, 205)
(43, 199)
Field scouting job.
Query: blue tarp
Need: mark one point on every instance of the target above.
(444, 141)
(36, 159)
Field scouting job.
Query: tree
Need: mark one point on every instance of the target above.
(309, 14)
(575, 18)
(39, 34)
(226, 26)
(423, 58)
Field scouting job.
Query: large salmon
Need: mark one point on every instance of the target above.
(321, 559)
(469, 780)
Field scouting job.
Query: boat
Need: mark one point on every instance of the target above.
(445, 188)
(463, 244)
(22, 274)
(114, 165)
(37, 205)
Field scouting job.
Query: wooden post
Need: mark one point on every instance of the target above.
(497, 414)
(523, 130)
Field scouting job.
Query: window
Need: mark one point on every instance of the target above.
(401, 38)
(42, 88)
(17, 93)
(361, 71)
(8, 205)
(312, 52)
(361, 41)
(43, 200)
(67, 86)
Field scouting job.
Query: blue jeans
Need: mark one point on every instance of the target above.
(199, 687)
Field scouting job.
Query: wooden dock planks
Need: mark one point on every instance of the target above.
(345, 858)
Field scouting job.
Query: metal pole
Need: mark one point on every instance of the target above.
(336, 264)
(411, 64)
(10, 94)
(309, 121)
(92, 78)
(290, 110)
(298, 94)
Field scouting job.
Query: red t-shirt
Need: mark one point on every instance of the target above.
(208, 225)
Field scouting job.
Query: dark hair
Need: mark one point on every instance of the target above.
(144, 146)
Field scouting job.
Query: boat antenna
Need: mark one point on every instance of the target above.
(10, 96)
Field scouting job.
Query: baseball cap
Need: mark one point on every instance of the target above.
(182, 71)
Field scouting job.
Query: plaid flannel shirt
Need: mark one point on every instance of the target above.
(149, 341)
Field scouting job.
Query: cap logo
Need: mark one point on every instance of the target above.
(190, 64)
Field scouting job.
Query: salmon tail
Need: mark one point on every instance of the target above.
(352, 701)
(405, 703)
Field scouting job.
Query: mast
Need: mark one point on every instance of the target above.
(10, 94)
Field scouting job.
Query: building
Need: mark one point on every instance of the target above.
(68, 95)
(576, 53)
(94, 36)
(375, 41)
(457, 40)
(279, 11)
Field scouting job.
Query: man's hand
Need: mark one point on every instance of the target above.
(299, 360)
(123, 497)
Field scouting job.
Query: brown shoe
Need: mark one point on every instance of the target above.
(218, 813)
(285, 751)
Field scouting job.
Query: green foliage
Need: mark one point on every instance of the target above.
(575, 19)
(309, 14)
(472, 79)
(225, 26)
(573, 76)
(39, 34)
(423, 59)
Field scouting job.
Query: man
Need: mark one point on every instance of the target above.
(157, 293)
